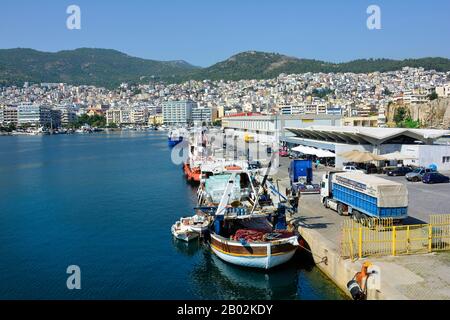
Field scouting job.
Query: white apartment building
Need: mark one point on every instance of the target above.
(118, 116)
(9, 115)
(290, 110)
(139, 115)
(178, 112)
(34, 115)
(202, 114)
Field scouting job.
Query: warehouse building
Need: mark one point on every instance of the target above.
(423, 146)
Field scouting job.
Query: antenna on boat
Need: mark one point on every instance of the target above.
(261, 187)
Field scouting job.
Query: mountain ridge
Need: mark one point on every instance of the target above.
(109, 67)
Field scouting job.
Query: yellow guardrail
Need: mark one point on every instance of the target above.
(380, 237)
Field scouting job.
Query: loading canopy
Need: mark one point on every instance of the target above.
(320, 153)
(361, 156)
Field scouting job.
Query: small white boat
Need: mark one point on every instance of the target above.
(200, 223)
(181, 230)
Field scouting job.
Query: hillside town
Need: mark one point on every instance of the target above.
(359, 99)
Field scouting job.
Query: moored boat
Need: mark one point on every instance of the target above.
(187, 229)
(193, 174)
(174, 138)
(181, 230)
(244, 236)
(259, 254)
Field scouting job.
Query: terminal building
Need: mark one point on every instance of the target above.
(326, 134)
(268, 127)
(423, 146)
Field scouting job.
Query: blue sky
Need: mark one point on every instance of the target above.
(204, 32)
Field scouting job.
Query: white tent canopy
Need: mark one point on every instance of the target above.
(320, 153)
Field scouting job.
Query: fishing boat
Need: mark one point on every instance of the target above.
(181, 230)
(245, 237)
(262, 254)
(187, 229)
(215, 180)
(174, 137)
(196, 156)
(201, 221)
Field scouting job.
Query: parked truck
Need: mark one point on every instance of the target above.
(301, 177)
(364, 196)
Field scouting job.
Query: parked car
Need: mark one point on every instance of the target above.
(385, 170)
(399, 171)
(435, 177)
(417, 174)
(370, 168)
(284, 152)
(352, 169)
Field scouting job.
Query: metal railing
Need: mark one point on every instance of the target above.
(380, 237)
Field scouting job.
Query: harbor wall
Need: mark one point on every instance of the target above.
(341, 271)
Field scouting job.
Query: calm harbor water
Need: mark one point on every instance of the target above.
(105, 202)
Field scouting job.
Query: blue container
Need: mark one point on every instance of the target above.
(301, 169)
(281, 218)
(218, 224)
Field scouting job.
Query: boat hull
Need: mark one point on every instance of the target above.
(186, 236)
(262, 255)
(172, 142)
(192, 175)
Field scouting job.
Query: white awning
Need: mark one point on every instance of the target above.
(325, 154)
(320, 153)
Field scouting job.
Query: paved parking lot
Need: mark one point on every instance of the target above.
(424, 199)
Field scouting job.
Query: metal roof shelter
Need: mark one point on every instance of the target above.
(369, 135)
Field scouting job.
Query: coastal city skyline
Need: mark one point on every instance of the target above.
(239, 151)
(203, 33)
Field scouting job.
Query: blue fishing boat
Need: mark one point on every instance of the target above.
(174, 137)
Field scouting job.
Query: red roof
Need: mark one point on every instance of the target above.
(243, 114)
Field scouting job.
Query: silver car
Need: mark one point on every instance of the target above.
(417, 174)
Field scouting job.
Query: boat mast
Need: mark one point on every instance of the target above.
(261, 187)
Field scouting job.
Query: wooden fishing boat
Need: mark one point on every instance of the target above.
(263, 255)
(245, 237)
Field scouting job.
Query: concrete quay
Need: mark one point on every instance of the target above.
(409, 277)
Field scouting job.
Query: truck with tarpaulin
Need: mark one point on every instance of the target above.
(364, 196)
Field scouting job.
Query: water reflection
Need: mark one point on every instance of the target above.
(216, 279)
(185, 248)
